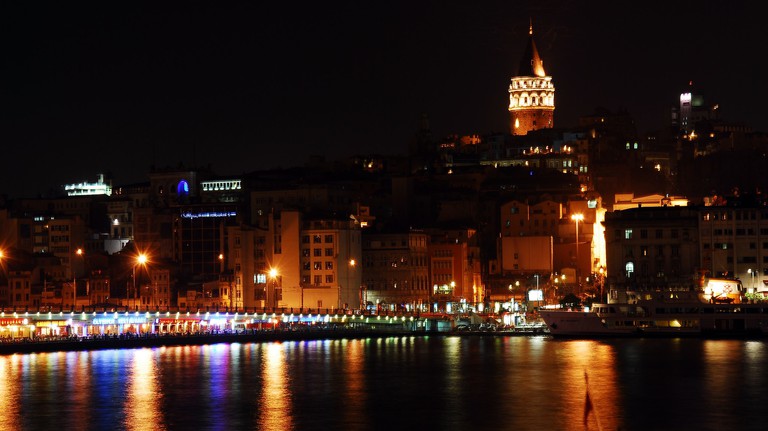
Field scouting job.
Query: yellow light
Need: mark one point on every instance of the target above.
(273, 273)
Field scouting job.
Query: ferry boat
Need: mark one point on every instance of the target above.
(718, 309)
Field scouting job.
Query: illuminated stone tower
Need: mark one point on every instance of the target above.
(531, 93)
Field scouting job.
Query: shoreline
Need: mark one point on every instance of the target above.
(83, 344)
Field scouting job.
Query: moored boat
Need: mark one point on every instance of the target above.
(717, 310)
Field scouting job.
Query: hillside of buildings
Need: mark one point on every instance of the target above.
(459, 222)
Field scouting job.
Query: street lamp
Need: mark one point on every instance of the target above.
(78, 252)
(141, 259)
(602, 274)
(577, 218)
(271, 299)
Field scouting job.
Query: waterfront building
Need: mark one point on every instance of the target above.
(287, 260)
(98, 288)
(733, 242)
(331, 251)
(454, 267)
(18, 291)
(396, 268)
(648, 248)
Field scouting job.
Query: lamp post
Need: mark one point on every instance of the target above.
(78, 252)
(601, 271)
(271, 300)
(2, 263)
(141, 259)
(577, 218)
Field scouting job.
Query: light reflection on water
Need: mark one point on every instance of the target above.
(446, 383)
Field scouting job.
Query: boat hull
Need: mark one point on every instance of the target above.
(734, 324)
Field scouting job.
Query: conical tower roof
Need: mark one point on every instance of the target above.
(531, 64)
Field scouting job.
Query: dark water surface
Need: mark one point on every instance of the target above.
(419, 383)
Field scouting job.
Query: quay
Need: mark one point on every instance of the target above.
(28, 332)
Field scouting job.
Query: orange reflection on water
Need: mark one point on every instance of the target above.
(274, 407)
(142, 395)
(354, 372)
(597, 362)
(10, 407)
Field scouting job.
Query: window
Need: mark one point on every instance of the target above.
(317, 252)
(305, 239)
(305, 252)
(629, 268)
(329, 265)
(318, 266)
(627, 233)
(318, 279)
(659, 234)
(329, 279)
(316, 239)
(329, 239)
(329, 252)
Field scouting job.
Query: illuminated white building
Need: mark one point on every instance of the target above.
(531, 93)
(89, 189)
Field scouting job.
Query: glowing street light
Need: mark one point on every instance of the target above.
(141, 259)
(271, 297)
(602, 274)
(577, 218)
(78, 252)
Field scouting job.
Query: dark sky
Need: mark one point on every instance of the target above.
(119, 86)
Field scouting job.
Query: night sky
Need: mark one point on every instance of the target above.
(117, 87)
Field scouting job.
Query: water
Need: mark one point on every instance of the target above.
(420, 383)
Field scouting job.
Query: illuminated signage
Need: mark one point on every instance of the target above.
(208, 214)
(47, 324)
(7, 322)
(179, 320)
(210, 186)
(536, 295)
(119, 320)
